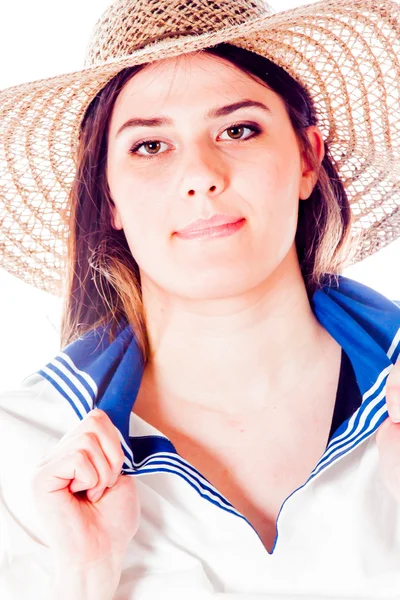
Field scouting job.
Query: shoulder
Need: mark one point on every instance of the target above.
(33, 415)
(33, 418)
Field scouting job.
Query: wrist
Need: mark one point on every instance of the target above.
(84, 582)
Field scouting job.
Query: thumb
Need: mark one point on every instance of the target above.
(388, 443)
(393, 393)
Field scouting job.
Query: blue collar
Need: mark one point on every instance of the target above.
(93, 372)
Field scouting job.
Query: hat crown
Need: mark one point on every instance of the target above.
(128, 25)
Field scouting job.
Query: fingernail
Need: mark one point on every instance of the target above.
(96, 496)
(395, 414)
(115, 480)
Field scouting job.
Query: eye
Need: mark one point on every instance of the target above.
(153, 147)
(235, 132)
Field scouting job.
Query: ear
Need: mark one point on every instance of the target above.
(309, 176)
(115, 217)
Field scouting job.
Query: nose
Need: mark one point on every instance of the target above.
(203, 174)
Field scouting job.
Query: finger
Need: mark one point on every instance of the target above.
(97, 434)
(381, 433)
(388, 444)
(109, 440)
(87, 443)
(90, 443)
(393, 393)
(110, 446)
(58, 473)
(98, 422)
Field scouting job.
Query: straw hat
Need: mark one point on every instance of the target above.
(344, 52)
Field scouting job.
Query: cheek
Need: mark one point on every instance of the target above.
(271, 187)
(139, 188)
(143, 213)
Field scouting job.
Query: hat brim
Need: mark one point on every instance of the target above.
(345, 53)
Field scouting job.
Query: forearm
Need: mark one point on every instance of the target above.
(79, 590)
(87, 584)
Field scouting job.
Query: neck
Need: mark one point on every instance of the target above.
(258, 355)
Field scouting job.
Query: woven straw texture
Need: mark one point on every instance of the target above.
(346, 53)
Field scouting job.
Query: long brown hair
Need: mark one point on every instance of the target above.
(103, 279)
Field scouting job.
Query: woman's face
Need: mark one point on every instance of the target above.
(245, 163)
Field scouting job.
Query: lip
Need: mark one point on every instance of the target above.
(214, 221)
(213, 232)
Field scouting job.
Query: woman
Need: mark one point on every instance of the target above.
(230, 370)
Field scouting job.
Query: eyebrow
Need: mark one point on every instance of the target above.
(214, 113)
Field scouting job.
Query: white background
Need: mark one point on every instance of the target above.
(44, 38)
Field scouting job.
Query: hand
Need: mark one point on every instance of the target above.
(388, 435)
(82, 531)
